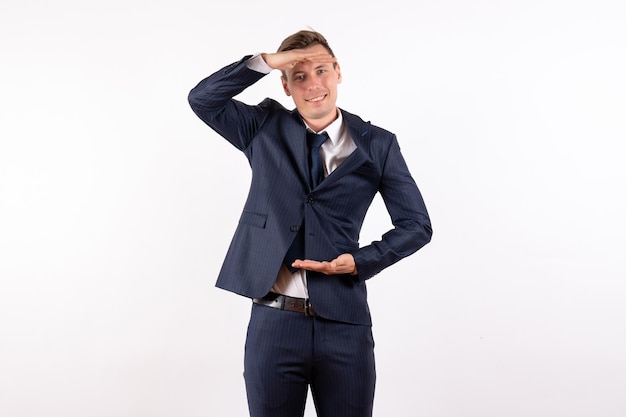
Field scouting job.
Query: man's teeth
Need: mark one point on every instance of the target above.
(317, 98)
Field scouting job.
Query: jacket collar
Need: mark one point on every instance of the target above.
(360, 132)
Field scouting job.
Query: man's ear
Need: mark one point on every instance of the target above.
(285, 86)
(338, 70)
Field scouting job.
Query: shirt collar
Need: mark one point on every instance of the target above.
(334, 129)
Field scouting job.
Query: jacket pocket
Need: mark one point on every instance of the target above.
(253, 219)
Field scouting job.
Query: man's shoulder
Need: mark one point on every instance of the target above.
(273, 105)
(356, 123)
(276, 110)
(272, 117)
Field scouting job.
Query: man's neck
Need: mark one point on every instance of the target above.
(318, 125)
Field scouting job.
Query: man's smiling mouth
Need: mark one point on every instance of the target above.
(316, 99)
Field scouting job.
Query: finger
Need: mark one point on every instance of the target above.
(310, 265)
(305, 264)
(315, 57)
(340, 265)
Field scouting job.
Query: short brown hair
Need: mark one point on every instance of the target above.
(304, 39)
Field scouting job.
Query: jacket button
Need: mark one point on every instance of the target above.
(309, 200)
(294, 228)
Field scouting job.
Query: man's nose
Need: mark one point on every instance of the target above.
(312, 82)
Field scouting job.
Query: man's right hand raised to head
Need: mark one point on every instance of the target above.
(288, 59)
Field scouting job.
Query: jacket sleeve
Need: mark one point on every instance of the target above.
(212, 101)
(412, 228)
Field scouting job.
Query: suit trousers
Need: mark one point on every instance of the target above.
(286, 352)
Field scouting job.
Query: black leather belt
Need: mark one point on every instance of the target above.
(284, 302)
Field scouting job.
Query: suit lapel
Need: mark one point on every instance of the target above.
(360, 133)
(297, 148)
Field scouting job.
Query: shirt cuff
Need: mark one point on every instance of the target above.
(258, 64)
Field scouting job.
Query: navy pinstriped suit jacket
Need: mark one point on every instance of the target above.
(280, 199)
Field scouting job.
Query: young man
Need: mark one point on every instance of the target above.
(295, 252)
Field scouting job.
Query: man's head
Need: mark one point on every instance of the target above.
(313, 86)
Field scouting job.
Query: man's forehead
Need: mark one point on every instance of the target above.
(308, 66)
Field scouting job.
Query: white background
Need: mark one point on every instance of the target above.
(117, 204)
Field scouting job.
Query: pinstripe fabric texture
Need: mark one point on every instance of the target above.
(287, 351)
(281, 200)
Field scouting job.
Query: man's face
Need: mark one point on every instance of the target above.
(313, 87)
